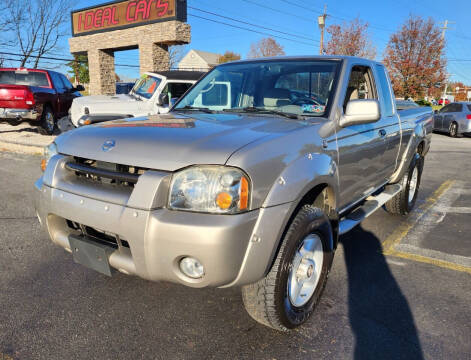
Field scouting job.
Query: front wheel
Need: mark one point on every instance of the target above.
(286, 297)
(404, 201)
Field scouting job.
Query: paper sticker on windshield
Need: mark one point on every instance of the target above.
(313, 108)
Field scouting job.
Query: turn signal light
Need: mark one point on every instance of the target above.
(244, 193)
(43, 164)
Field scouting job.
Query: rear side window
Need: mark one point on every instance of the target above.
(458, 108)
(469, 107)
(30, 78)
(66, 82)
(385, 90)
(56, 79)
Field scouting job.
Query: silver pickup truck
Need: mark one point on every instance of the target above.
(248, 181)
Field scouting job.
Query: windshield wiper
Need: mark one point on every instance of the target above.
(266, 111)
(189, 107)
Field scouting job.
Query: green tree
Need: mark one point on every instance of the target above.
(79, 67)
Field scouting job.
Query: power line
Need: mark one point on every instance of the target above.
(248, 29)
(34, 56)
(255, 25)
(278, 11)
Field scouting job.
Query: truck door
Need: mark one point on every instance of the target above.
(360, 146)
(390, 128)
(61, 94)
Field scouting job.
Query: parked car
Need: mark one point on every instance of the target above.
(455, 119)
(440, 102)
(152, 94)
(37, 96)
(239, 185)
(124, 87)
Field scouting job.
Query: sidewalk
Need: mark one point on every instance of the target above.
(23, 138)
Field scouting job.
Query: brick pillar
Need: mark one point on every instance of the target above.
(153, 57)
(102, 74)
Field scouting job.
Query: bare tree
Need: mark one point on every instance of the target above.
(264, 48)
(415, 57)
(350, 39)
(175, 54)
(38, 26)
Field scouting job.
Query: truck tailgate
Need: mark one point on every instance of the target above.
(14, 96)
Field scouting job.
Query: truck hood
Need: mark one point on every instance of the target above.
(107, 99)
(173, 141)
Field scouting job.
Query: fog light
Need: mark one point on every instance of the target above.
(191, 268)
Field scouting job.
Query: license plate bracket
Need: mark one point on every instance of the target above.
(91, 254)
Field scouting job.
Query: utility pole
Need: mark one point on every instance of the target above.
(321, 23)
(444, 29)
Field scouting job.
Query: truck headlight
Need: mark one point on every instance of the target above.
(49, 152)
(210, 189)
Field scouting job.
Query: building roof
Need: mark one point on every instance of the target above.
(181, 75)
(209, 57)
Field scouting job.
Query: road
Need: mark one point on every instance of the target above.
(399, 288)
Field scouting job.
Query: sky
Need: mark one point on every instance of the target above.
(299, 17)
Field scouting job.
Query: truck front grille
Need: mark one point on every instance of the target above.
(105, 172)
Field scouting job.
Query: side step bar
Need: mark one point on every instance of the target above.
(371, 204)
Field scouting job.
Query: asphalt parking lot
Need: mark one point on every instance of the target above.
(399, 288)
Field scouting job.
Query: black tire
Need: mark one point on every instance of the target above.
(14, 122)
(402, 204)
(47, 124)
(453, 131)
(267, 301)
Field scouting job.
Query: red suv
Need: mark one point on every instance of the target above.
(37, 96)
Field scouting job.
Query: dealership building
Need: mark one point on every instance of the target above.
(148, 25)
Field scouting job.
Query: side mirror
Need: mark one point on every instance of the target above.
(360, 112)
(79, 88)
(162, 100)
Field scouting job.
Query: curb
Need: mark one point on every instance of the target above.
(21, 147)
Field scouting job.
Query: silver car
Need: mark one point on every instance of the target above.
(455, 119)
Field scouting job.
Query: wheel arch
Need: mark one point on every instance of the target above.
(322, 195)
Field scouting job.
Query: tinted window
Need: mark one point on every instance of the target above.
(24, 78)
(176, 90)
(446, 109)
(469, 107)
(66, 82)
(385, 90)
(458, 108)
(56, 80)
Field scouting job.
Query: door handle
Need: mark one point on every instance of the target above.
(382, 133)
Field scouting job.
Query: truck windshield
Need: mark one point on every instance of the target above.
(33, 78)
(301, 87)
(146, 86)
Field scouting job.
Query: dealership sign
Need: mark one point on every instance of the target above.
(125, 14)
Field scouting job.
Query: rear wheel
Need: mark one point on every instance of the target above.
(288, 295)
(453, 129)
(47, 124)
(404, 201)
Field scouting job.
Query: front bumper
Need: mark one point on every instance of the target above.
(234, 249)
(19, 114)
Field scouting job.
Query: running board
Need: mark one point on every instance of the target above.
(371, 204)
